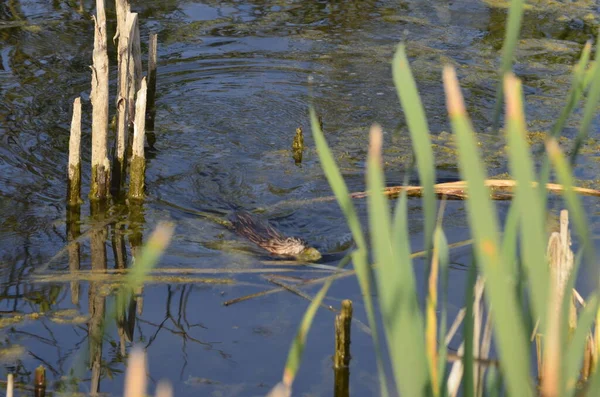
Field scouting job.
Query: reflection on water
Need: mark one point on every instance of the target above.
(235, 80)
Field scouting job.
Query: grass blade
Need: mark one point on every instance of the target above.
(591, 105)
(443, 254)
(576, 91)
(512, 32)
(295, 354)
(533, 235)
(511, 338)
(363, 271)
(564, 176)
(419, 134)
(574, 351)
(397, 294)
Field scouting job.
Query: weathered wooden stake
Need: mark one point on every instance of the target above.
(10, 385)
(138, 161)
(40, 382)
(135, 64)
(341, 359)
(560, 258)
(74, 171)
(151, 107)
(100, 183)
(135, 378)
(123, 83)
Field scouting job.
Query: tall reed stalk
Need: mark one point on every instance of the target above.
(509, 255)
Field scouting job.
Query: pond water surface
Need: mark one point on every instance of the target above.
(235, 79)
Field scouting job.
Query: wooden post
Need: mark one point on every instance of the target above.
(151, 107)
(135, 60)
(100, 183)
(10, 385)
(74, 171)
(123, 83)
(138, 161)
(341, 359)
(40, 382)
(135, 377)
(560, 258)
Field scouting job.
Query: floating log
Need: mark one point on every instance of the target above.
(74, 171)
(100, 183)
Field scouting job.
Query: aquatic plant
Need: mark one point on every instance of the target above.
(524, 295)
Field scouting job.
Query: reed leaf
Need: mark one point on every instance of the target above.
(575, 349)
(442, 251)
(533, 235)
(419, 134)
(511, 37)
(591, 105)
(573, 201)
(359, 257)
(578, 86)
(397, 293)
(469, 341)
(510, 334)
(144, 262)
(295, 354)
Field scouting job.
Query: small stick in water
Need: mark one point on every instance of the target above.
(298, 145)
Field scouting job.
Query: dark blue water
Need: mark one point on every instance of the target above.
(235, 79)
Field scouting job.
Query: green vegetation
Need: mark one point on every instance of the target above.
(511, 261)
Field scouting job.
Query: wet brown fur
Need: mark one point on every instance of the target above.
(266, 236)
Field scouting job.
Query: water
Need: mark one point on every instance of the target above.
(235, 79)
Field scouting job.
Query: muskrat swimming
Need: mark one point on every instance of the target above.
(270, 239)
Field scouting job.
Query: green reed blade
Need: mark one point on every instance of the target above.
(395, 280)
(593, 384)
(578, 86)
(510, 334)
(533, 235)
(467, 359)
(363, 271)
(510, 238)
(419, 134)
(297, 348)
(573, 201)
(575, 91)
(443, 254)
(591, 105)
(511, 37)
(493, 384)
(565, 331)
(575, 349)
(144, 262)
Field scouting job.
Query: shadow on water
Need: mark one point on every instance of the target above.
(235, 80)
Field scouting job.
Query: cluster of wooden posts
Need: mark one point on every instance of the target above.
(135, 95)
(39, 383)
